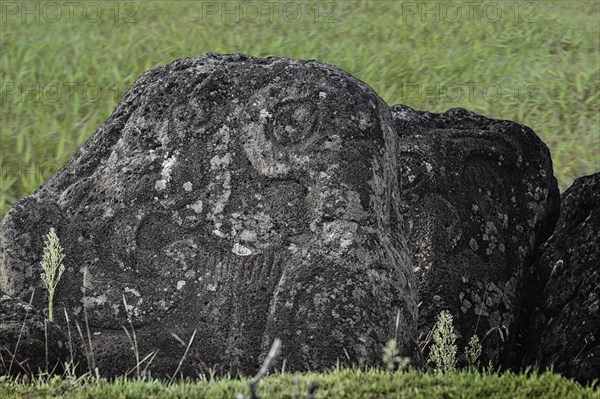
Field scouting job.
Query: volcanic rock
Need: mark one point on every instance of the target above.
(565, 323)
(477, 196)
(241, 198)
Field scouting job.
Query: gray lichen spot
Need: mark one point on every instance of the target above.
(490, 228)
(132, 291)
(465, 306)
(334, 143)
(220, 162)
(190, 274)
(222, 200)
(473, 244)
(91, 301)
(197, 206)
(248, 235)
(264, 114)
(340, 233)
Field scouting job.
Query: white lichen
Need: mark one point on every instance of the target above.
(241, 250)
(167, 169)
(264, 114)
(197, 206)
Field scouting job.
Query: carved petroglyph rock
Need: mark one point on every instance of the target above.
(478, 195)
(245, 198)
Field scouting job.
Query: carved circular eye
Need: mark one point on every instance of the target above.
(293, 121)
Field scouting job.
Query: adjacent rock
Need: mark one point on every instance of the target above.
(241, 198)
(477, 195)
(565, 324)
(24, 338)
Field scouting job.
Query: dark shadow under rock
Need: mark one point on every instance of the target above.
(24, 340)
(477, 196)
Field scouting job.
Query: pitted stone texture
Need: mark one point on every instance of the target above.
(24, 339)
(246, 198)
(477, 195)
(565, 324)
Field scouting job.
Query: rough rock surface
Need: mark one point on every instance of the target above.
(477, 196)
(23, 335)
(243, 198)
(565, 325)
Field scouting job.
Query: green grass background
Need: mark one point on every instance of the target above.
(537, 63)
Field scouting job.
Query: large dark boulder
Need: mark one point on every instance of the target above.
(243, 198)
(564, 329)
(477, 196)
(29, 344)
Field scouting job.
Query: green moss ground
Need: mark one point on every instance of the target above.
(339, 384)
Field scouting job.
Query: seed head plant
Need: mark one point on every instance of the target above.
(473, 353)
(443, 350)
(52, 267)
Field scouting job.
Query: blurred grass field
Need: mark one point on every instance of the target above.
(65, 67)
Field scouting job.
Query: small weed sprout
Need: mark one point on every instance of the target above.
(489, 370)
(443, 350)
(391, 354)
(52, 267)
(391, 357)
(473, 353)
